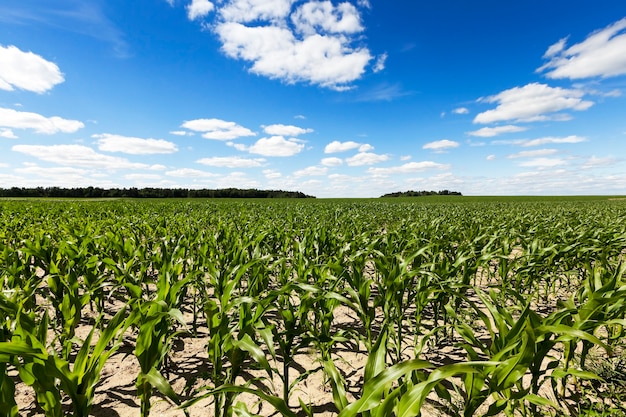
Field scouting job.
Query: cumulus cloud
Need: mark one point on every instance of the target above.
(533, 154)
(313, 42)
(332, 162)
(232, 162)
(490, 157)
(14, 119)
(77, 156)
(408, 168)
(601, 54)
(336, 146)
(285, 130)
(322, 16)
(275, 52)
(27, 71)
(276, 146)
(461, 110)
(533, 102)
(217, 129)
(199, 8)
(311, 171)
(251, 10)
(135, 146)
(366, 158)
(488, 132)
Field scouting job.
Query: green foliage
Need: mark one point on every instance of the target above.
(526, 293)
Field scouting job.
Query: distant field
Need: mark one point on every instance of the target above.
(438, 305)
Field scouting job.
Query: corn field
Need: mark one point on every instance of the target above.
(434, 307)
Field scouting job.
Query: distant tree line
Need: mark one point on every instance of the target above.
(420, 193)
(96, 192)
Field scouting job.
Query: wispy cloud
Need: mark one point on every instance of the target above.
(77, 156)
(601, 54)
(533, 154)
(541, 141)
(488, 132)
(441, 145)
(408, 168)
(86, 18)
(383, 92)
(231, 162)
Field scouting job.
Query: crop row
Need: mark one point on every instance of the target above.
(527, 296)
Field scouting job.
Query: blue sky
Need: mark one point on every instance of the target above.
(335, 99)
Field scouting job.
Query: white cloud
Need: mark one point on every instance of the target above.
(232, 162)
(251, 10)
(382, 92)
(488, 132)
(276, 146)
(405, 158)
(27, 71)
(14, 119)
(285, 130)
(199, 8)
(366, 158)
(135, 146)
(51, 171)
(366, 147)
(217, 129)
(332, 162)
(550, 140)
(533, 154)
(490, 157)
(543, 163)
(322, 16)
(77, 156)
(595, 162)
(441, 145)
(189, 173)
(336, 146)
(461, 110)
(271, 174)
(311, 171)
(275, 52)
(380, 63)
(533, 102)
(600, 55)
(181, 133)
(408, 168)
(142, 177)
(7, 134)
(237, 180)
